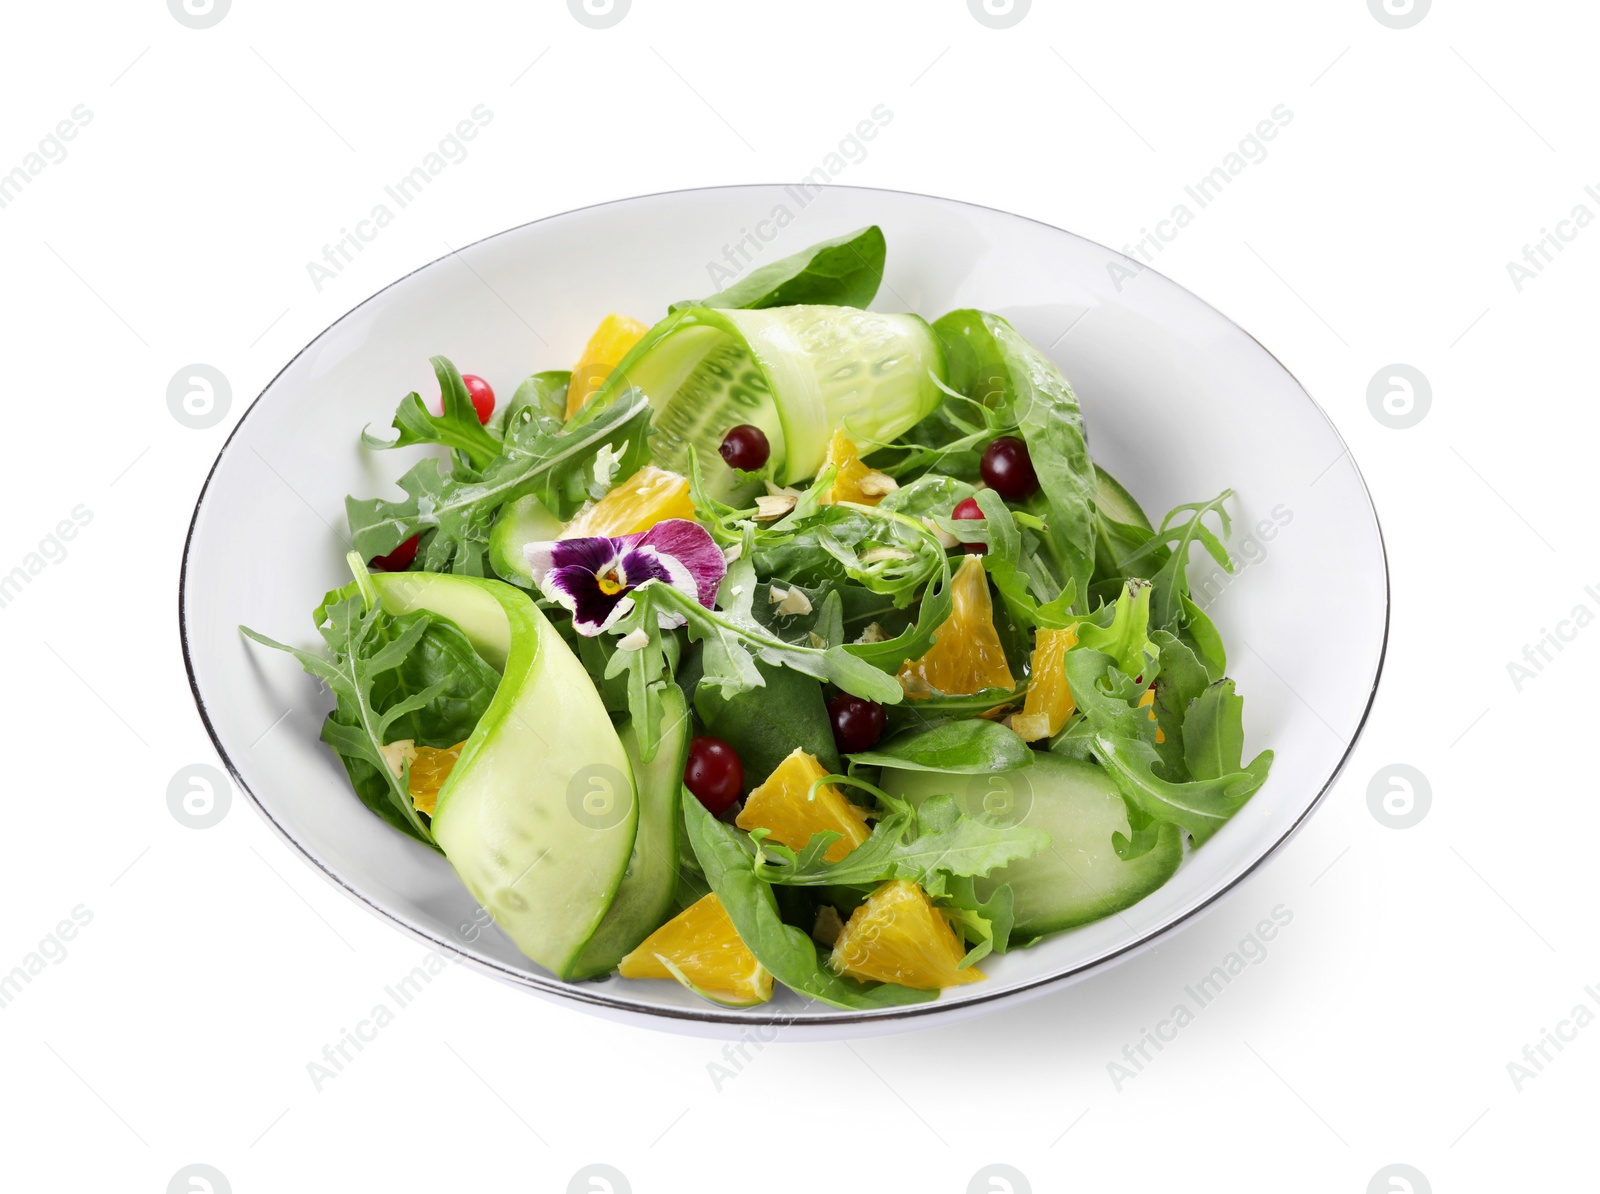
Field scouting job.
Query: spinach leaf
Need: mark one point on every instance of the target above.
(458, 427)
(925, 845)
(997, 367)
(413, 676)
(455, 513)
(842, 272)
(968, 747)
(767, 724)
(725, 858)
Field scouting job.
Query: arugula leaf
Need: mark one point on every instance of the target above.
(1182, 678)
(915, 639)
(544, 394)
(1200, 806)
(1213, 732)
(925, 845)
(968, 747)
(842, 272)
(1032, 597)
(413, 676)
(458, 427)
(1123, 741)
(1173, 607)
(731, 640)
(647, 671)
(1126, 638)
(455, 513)
(986, 924)
(724, 855)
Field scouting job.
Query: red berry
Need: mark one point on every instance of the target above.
(1008, 469)
(713, 773)
(482, 395)
(399, 559)
(745, 447)
(969, 509)
(857, 723)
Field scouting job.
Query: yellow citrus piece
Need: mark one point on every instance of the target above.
(649, 496)
(704, 947)
(855, 481)
(609, 344)
(966, 655)
(1148, 701)
(430, 767)
(780, 805)
(1049, 702)
(897, 936)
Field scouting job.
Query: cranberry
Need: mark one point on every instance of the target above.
(482, 395)
(714, 773)
(969, 509)
(1008, 470)
(399, 559)
(857, 723)
(745, 447)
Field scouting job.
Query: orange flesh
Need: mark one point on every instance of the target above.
(780, 806)
(966, 655)
(606, 348)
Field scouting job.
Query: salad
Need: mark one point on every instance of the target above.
(783, 641)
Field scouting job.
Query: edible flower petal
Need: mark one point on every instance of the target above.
(594, 576)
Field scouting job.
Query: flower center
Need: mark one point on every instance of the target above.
(609, 584)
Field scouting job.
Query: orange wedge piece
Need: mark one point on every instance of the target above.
(898, 936)
(703, 947)
(966, 655)
(784, 807)
(606, 348)
(650, 496)
(855, 481)
(1049, 702)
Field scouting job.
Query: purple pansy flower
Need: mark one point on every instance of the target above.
(593, 577)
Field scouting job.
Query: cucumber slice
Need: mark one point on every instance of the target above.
(798, 373)
(516, 817)
(1080, 878)
(645, 898)
(524, 521)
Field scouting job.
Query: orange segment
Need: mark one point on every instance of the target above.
(897, 936)
(704, 947)
(430, 767)
(781, 806)
(1049, 702)
(966, 655)
(855, 481)
(609, 344)
(1148, 701)
(649, 496)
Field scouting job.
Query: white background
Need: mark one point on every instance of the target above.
(218, 162)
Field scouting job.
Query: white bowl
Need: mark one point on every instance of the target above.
(1180, 404)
